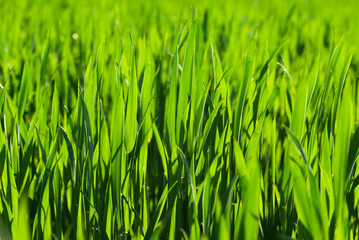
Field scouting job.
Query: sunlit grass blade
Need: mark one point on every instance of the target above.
(340, 90)
(131, 107)
(340, 162)
(23, 90)
(248, 72)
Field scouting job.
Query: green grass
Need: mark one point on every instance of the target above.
(194, 120)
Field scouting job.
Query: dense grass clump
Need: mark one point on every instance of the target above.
(199, 119)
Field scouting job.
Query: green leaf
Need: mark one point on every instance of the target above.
(173, 221)
(338, 93)
(71, 154)
(340, 162)
(131, 108)
(90, 94)
(248, 74)
(44, 57)
(23, 90)
(55, 116)
(156, 215)
(172, 102)
(208, 126)
(185, 88)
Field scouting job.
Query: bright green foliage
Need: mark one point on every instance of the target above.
(179, 120)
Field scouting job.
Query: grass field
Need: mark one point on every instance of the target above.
(190, 120)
